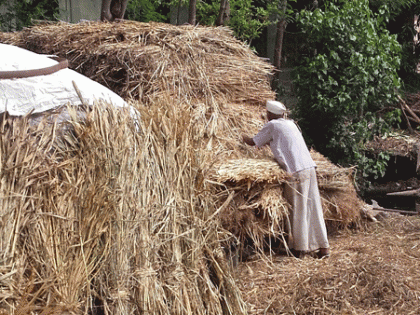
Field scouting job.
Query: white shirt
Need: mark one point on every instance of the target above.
(286, 143)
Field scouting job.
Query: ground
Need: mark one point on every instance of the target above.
(372, 270)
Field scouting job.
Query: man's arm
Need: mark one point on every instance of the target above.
(248, 140)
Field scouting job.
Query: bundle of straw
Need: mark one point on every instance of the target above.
(258, 209)
(108, 218)
(331, 176)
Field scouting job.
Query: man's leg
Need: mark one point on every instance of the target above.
(296, 194)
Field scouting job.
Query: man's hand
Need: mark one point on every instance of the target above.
(248, 140)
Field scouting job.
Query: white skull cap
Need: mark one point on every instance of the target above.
(276, 107)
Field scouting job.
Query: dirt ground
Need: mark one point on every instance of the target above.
(371, 270)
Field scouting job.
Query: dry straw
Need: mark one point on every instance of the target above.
(109, 218)
(137, 60)
(371, 272)
(257, 209)
(130, 220)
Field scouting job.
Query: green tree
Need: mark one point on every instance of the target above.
(147, 10)
(22, 13)
(246, 18)
(346, 77)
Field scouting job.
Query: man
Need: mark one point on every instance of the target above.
(308, 229)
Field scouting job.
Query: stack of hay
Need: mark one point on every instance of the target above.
(129, 221)
(137, 60)
(398, 143)
(94, 223)
(252, 202)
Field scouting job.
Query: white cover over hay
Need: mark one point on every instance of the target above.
(41, 93)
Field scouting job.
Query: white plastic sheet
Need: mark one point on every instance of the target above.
(41, 93)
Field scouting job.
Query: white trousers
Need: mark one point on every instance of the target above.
(307, 223)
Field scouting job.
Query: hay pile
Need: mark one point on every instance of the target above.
(109, 219)
(371, 272)
(93, 222)
(252, 203)
(205, 68)
(137, 60)
(401, 142)
(398, 143)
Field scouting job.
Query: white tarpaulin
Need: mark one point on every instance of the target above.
(40, 93)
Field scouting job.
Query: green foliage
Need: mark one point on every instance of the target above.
(146, 11)
(247, 19)
(396, 7)
(19, 14)
(348, 74)
(400, 17)
(207, 12)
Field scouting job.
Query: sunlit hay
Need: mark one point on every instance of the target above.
(45, 234)
(253, 214)
(258, 210)
(111, 219)
(371, 272)
(341, 208)
(397, 143)
(138, 60)
(218, 79)
(249, 170)
(223, 81)
(331, 176)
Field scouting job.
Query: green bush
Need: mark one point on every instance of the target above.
(247, 18)
(146, 11)
(347, 76)
(19, 14)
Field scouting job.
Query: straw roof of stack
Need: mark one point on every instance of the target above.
(137, 60)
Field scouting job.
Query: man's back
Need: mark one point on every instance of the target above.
(287, 144)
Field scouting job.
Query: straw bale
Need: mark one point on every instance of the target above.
(329, 175)
(253, 170)
(137, 60)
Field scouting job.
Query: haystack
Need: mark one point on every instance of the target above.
(94, 223)
(400, 142)
(131, 222)
(137, 60)
(251, 196)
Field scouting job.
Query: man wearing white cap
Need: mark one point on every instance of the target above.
(308, 229)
